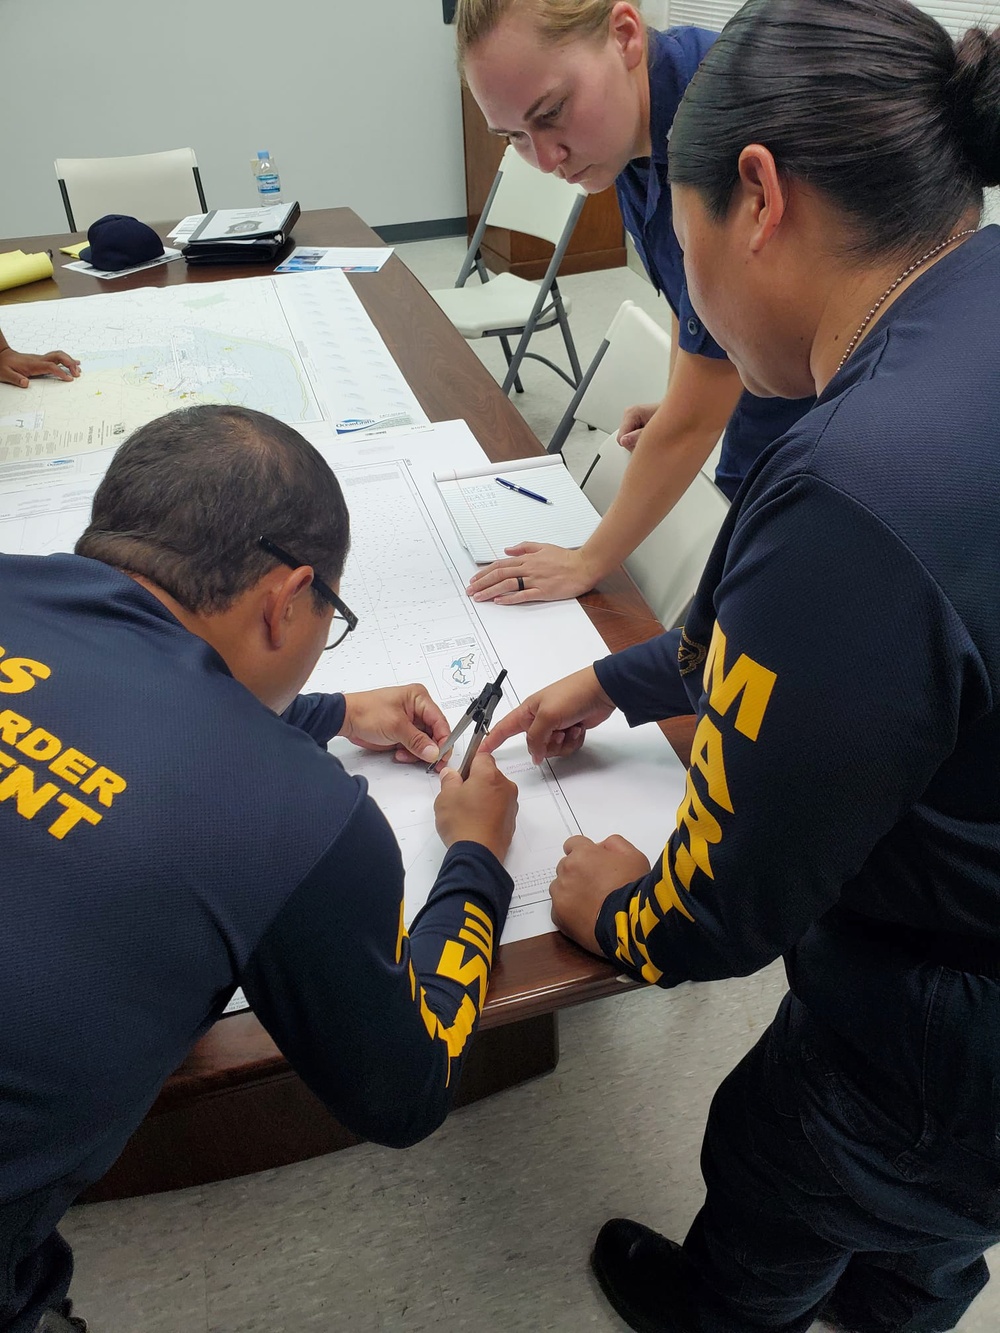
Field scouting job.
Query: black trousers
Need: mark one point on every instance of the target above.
(867, 1170)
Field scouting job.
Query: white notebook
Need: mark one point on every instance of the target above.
(489, 517)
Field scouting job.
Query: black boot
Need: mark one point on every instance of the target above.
(645, 1278)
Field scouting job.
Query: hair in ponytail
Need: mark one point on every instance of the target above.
(869, 101)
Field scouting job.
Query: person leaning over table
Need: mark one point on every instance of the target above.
(173, 826)
(584, 90)
(18, 367)
(842, 656)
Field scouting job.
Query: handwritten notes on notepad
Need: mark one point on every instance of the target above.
(489, 517)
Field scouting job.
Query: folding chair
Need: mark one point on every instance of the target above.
(630, 366)
(153, 187)
(667, 566)
(521, 199)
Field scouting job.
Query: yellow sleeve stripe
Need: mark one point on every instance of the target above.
(470, 937)
(484, 920)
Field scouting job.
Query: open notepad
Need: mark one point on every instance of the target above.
(488, 517)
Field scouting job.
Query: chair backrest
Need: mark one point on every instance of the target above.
(633, 369)
(530, 201)
(669, 563)
(154, 187)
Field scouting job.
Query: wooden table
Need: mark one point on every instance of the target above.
(235, 1105)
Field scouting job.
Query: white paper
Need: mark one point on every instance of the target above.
(236, 224)
(186, 227)
(81, 266)
(406, 580)
(362, 388)
(308, 258)
(489, 516)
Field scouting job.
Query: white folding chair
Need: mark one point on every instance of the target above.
(668, 564)
(630, 366)
(153, 187)
(521, 199)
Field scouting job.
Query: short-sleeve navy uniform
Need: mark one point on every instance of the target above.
(644, 198)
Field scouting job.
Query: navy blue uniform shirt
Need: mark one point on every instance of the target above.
(843, 657)
(166, 838)
(644, 198)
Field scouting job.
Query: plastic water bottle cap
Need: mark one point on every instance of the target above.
(262, 154)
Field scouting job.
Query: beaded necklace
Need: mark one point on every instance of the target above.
(956, 236)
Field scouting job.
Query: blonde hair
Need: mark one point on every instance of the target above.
(557, 19)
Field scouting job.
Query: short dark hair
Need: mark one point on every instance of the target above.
(187, 496)
(869, 101)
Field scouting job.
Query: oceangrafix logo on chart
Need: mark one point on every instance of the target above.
(352, 425)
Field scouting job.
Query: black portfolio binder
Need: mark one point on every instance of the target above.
(242, 236)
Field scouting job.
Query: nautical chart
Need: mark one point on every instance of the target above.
(415, 623)
(300, 347)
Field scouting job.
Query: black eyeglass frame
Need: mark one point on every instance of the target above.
(325, 591)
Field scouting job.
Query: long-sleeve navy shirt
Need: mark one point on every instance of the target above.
(843, 658)
(166, 838)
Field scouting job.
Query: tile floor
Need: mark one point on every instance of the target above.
(487, 1225)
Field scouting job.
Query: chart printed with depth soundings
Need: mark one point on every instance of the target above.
(148, 351)
(300, 347)
(44, 520)
(417, 624)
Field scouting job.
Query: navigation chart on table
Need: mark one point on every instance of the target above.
(300, 347)
(225, 342)
(416, 624)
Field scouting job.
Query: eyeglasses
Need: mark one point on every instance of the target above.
(342, 613)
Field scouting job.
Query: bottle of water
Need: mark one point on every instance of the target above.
(268, 182)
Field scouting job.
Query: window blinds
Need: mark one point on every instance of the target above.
(955, 15)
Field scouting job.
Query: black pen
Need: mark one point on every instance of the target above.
(522, 490)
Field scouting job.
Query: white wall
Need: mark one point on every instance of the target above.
(357, 100)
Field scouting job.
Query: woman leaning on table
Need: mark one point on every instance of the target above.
(842, 657)
(583, 89)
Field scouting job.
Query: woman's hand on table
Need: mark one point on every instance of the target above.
(534, 572)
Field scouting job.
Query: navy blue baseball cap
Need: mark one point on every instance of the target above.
(118, 241)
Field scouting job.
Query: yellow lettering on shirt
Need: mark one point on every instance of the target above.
(454, 966)
(71, 765)
(106, 784)
(747, 681)
(706, 757)
(75, 811)
(471, 972)
(707, 796)
(12, 727)
(20, 783)
(19, 674)
(40, 744)
(703, 830)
